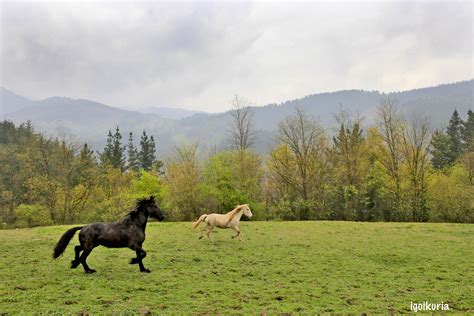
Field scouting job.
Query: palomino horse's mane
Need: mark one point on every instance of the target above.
(235, 211)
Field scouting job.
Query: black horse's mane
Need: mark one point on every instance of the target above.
(128, 219)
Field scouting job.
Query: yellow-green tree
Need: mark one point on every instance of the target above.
(183, 179)
(233, 177)
(298, 166)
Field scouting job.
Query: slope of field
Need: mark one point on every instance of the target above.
(306, 267)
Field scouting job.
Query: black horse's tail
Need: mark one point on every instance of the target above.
(64, 241)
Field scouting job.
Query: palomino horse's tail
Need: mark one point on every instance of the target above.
(64, 241)
(196, 224)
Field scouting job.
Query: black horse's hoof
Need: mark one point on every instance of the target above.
(133, 261)
(145, 270)
(74, 264)
(91, 271)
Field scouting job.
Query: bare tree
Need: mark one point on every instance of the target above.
(416, 142)
(390, 128)
(242, 129)
(303, 136)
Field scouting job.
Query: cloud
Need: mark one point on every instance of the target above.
(198, 55)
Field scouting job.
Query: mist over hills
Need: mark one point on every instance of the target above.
(90, 121)
(167, 112)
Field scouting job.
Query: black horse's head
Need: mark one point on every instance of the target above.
(152, 208)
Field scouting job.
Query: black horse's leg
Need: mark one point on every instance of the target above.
(76, 261)
(140, 255)
(138, 246)
(83, 258)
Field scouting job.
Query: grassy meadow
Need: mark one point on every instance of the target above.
(278, 267)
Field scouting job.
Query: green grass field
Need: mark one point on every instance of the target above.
(279, 267)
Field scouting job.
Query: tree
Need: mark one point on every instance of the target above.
(225, 183)
(455, 133)
(183, 179)
(441, 150)
(85, 181)
(147, 156)
(148, 183)
(416, 141)
(350, 166)
(114, 153)
(451, 196)
(31, 215)
(242, 129)
(8, 132)
(468, 132)
(390, 152)
(133, 163)
(298, 163)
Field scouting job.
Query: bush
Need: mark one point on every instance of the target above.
(451, 196)
(31, 215)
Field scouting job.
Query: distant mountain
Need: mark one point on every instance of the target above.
(90, 120)
(436, 103)
(11, 102)
(166, 112)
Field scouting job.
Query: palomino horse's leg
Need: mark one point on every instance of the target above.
(76, 261)
(236, 229)
(209, 230)
(202, 232)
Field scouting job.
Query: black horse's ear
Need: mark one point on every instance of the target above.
(152, 198)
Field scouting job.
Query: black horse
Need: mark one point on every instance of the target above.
(129, 232)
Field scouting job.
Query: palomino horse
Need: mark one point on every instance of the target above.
(229, 220)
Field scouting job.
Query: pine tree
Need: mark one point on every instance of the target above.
(86, 163)
(132, 163)
(106, 155)
(441, 150)
(114, 152)
(86, 156)
(347, 151)
(455, 134)
(147, 152)
(468, 132)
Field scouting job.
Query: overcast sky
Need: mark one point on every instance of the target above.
(197, 55)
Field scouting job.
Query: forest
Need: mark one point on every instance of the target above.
(396, 169)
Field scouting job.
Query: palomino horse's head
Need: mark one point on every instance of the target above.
(246, 209)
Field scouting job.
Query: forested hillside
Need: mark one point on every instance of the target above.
(396, 169)
(75, 117)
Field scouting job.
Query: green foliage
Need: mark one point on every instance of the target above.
(349, 166)
(184, 192)
(233, 177)
(31, 215)
(441, 150)
(298, 167)
(146, 185)
(452, 196)
(382, 173)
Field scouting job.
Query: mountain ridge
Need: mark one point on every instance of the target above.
(210, 129)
